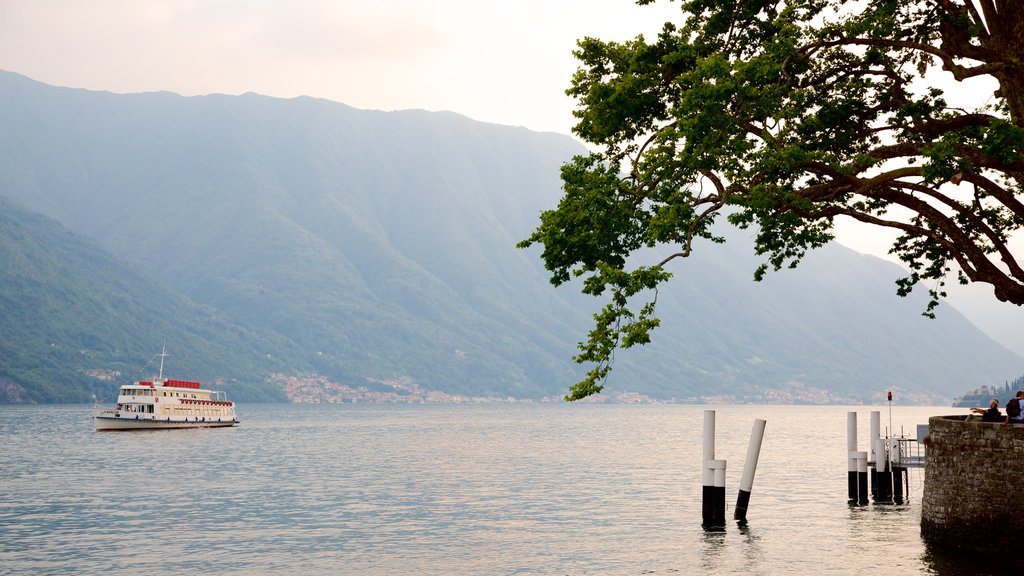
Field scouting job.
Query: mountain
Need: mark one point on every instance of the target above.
(380, 244)
(834, 323)
(71, 312)
(377, 247)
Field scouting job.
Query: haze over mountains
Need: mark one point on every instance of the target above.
(257, 235)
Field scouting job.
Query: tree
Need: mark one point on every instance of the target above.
(782, 116)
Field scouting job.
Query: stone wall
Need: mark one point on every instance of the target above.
(974, 486)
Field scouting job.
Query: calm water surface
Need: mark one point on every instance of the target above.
(509, 489)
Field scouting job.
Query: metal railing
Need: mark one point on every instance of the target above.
(909, 452)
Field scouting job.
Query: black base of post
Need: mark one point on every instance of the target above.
(862, 483)
(851, 484)
(719, 515)
(708, 505)
(898, 475)
(884, 493)
(742, 501)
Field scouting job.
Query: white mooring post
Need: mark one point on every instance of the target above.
(749, 468)
(851, 454)
(897, 470)
(707, 471)
(876, 432)
(883, 473)
(717, 517)
(862, 476)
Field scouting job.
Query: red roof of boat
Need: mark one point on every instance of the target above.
(181, 384)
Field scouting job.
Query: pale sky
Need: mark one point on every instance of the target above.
(501, 62)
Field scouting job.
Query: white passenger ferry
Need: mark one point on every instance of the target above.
(163, 403)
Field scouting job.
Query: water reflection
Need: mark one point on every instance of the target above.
(714, 539)
(752, 549)
(942, 562)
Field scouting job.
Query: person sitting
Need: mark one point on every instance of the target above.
(992, 414)
(1014, 414)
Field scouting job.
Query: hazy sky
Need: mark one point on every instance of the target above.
(502, 62)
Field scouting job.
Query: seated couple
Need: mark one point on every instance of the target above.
(1014, 414)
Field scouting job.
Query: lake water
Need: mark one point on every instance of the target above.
(449, 489)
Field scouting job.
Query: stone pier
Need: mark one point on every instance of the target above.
(974, 486)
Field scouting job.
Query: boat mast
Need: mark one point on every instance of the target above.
(162, 355)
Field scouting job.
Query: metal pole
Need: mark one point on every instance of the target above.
(891, 431)
(749, 468)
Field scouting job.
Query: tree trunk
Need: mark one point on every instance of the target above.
(1006, 42)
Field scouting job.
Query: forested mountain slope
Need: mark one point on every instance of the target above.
(380, 245)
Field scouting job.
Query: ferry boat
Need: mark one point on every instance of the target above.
(162, 403)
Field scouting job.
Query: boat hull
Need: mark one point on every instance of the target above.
(114, 423)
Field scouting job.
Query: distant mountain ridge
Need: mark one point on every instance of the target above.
(372, 246)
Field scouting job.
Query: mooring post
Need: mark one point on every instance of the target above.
(883, 473)
(749, 468)
(708, 472)
(855, 465)
(851, 454)
(876, 433)
(898, 471)
(717, 517)
(862, 477)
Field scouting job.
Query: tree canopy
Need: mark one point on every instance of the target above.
(783, 116)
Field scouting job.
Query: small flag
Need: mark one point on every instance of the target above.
(890, 395)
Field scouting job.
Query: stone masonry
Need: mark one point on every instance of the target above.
(973, 499)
